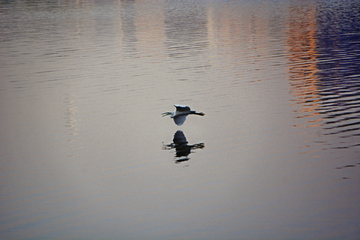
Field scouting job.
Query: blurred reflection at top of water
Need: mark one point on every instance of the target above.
(185, 28)
(339, 64)
(325, 65)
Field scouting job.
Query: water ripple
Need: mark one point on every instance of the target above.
(324, 75)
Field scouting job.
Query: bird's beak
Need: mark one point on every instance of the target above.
(165, 114)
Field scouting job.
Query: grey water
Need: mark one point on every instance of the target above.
(85, 153)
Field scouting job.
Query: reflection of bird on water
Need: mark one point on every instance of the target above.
(181, 146)
(181, 113)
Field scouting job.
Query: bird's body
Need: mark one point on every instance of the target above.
(181, 113)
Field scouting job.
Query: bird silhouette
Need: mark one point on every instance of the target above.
(181, 146)
(181, 113)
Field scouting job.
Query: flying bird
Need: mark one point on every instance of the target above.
(181, 113)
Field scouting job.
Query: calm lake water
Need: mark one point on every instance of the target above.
(85, 153)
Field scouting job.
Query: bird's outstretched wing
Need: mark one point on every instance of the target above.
(181, 108)
(180, 119)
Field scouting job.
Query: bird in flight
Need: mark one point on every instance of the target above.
(181, 113)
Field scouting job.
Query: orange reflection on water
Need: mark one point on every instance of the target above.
(303, 55)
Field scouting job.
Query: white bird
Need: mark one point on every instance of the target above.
(181, 113)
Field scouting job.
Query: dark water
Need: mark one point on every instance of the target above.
(85, 153)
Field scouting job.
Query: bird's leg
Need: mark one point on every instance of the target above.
(196, 113)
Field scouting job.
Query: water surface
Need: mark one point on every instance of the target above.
(83, 145)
